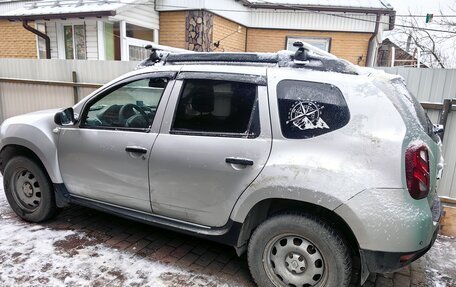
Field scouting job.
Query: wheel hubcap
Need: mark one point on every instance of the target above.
(27, 191)
(295, 263)
(291, 260)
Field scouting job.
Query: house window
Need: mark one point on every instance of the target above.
(75, 42)
(138, 32)
(320, 43)
(41, 42)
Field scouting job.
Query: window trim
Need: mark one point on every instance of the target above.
(247, 135)
(229, 77)
(107, 90)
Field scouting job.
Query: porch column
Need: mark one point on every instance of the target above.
(123, 41)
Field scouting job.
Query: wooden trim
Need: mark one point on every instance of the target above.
(448, 200)
(448, 222)
(50, 83)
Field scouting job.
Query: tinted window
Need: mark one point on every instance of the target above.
(132, 105)
(309, 109)
(218, 107)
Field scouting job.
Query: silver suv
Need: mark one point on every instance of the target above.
(302, 160)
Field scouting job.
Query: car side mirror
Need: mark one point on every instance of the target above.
(65, 117)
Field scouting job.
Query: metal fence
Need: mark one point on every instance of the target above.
(28, 85)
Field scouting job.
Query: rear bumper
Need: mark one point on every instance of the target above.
(385, 262)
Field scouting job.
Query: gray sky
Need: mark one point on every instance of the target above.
(422, 6)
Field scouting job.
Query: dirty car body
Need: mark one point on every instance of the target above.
(222, 150)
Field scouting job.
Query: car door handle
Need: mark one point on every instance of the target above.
(136, 149)
(241, 161)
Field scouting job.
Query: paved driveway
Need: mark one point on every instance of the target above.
(83, 247)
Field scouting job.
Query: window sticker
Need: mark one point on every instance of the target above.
(310, 109)
(306, 115)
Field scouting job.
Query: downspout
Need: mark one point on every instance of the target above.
(39, 34)
(370, 53)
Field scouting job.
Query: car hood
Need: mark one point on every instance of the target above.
(32, 118)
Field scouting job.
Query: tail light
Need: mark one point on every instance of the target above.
(417, 171)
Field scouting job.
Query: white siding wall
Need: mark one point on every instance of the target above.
(54, 29)
(141, 15)
(269, 18)
(312, 21)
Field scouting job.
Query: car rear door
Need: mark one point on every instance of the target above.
(214, 141)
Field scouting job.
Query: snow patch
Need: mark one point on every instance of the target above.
(31, 254)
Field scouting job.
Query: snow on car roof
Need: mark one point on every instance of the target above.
(366, 4)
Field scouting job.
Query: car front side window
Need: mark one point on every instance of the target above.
(129, 106)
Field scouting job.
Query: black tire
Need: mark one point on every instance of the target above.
(29, 190)
(289, 234)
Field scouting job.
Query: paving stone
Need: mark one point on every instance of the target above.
(384, 282)
(206, 258)
(188, 259)
(401, 280)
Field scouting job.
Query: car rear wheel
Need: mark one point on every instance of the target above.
(300, 251)
(28, 190)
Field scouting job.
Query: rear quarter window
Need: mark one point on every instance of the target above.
(309, 109)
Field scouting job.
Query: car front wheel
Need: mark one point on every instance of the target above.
(28, 190)
(298, 250)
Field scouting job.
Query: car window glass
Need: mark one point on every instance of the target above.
(309, 109)
(217, 107)
(132, 105)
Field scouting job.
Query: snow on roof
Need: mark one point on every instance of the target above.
(47, 7)
(361, 4)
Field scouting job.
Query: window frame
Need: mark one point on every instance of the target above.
(235, 78)
(303, 38)
(109, 89)
(38, 26)
(72, 25)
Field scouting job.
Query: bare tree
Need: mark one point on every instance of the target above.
(414, 35)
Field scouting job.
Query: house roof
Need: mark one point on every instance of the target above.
(334, 4)
(47, 9)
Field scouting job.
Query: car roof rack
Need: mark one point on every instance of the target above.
(306, 56)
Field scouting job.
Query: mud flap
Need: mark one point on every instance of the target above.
(62, 196)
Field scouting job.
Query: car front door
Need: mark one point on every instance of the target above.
(105, 157)
(214, 140)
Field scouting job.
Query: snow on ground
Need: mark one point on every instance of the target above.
(440, 262)
(32, 255)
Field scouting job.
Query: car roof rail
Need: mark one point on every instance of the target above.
(306, 56)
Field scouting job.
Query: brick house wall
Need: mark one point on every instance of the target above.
(228, 31)
(15, 41)
(172, 29)
(352, 46)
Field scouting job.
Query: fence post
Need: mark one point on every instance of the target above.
(75, 89)
(446, 109)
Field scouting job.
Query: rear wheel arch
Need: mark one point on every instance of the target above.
(269, 207)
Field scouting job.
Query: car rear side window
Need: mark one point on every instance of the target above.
(217, 108)
(309, 109)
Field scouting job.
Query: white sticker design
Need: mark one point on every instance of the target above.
(305, 115)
